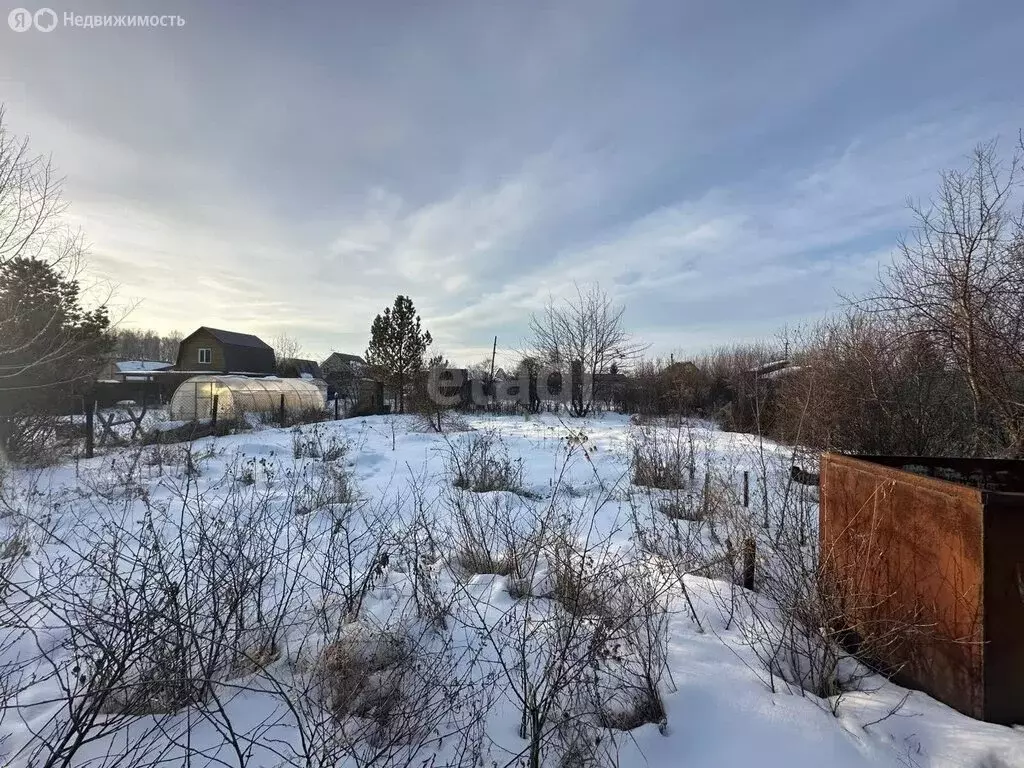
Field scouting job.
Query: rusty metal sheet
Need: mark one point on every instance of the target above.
(904, 553)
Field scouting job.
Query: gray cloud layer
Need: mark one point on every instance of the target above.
(721, 168)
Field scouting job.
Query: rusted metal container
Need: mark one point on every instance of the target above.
(924, 559)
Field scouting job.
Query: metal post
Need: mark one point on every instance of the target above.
(746, 488)
(704, 494)
(749, 556)
(90, 410)
(764, 499)
(213, 413)
(336, 409)
(492, 394)
(282, 409)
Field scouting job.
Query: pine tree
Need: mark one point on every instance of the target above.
(50, 347)
(397, 345)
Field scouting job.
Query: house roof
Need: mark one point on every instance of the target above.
(133, 366)
(767, 368)
(342, 357)
(236, 339)
(300, 366)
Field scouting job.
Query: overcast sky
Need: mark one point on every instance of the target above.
(722, 168)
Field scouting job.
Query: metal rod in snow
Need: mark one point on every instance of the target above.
(90, 411)
(749, 558)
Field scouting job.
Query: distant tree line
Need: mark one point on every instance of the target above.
(132, 344)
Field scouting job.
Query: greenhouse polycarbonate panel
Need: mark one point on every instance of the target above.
(238, 395)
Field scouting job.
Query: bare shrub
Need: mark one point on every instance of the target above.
(161, 457)
(551, 644)
(386, 693)
(362, 672)
(317, 443)
(957, 282)
(662, 458)
(246, 472)
(353, 558)
(324, 488)
(156, 605)
(14, 548)
(928, 363)
(797, 625)
(312, 415)
(633, 653)
(481, 464)
(584, 583)
(441, 421)
(30, 438)
(865, 385)
(435, 395)
(496, 533)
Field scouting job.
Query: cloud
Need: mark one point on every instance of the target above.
(721, 175)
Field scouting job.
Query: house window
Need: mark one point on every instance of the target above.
(205, 355)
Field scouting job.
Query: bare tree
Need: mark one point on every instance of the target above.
(587, 329)
(31, 203)
(286, 347)
(958, 280)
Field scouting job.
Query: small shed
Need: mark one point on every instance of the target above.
(299, 368)
(343, 364)
(215, 350)
(133, 370)
(927, 559)
(343, 372)
(238, 395)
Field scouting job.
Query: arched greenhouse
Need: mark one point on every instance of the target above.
(238, 395)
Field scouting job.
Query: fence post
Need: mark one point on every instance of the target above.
(704, 495)
(764, 499)
(336, 406)
(749, 556)
(213, 413)
(746, 488)
(281, 414)
(90, 410)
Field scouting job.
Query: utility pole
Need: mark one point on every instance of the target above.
(490, 379)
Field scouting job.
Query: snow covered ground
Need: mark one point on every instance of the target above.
(320, 597)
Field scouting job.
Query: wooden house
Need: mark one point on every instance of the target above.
(343, 364)
(212, 350)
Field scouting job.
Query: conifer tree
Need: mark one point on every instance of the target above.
(397, 345)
